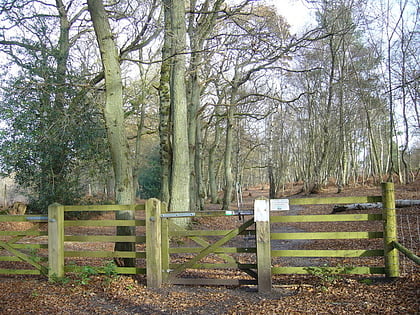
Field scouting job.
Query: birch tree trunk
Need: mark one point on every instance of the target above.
(114, 120)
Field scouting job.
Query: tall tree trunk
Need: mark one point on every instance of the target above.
(180, 176)
(114, 120)
(212, 171)
(165, 129)
(228, 189)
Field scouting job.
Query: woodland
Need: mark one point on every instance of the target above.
(201, 103)
(197, 100)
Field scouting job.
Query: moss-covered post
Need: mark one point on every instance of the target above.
(390, 230)
(55, 241)
(153, 244)
(262, 231)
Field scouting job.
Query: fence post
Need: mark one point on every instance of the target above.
(153, 244)
(55, 241)
(165, 243)
(262, 231)
(390, 230)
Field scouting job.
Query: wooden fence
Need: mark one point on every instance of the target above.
(20, 243)
(155, 230)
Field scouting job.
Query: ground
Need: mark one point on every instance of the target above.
(290, 295)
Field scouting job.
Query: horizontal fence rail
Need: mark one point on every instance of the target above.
(67, 238)
(20, 248)
(63, 237)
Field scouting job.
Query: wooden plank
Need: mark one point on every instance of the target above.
(326, 235)
(104, 254)
(9, 258)
(263, 243)
(326, 218)
(210, 213)
(209, 249)
(24, 257)
(334, 200)
(105, 223)
(198, 232)
(408, 253)
(104, 238)
(217, 266)
(83, 208)
(20, 271)
(153, 244)
(210, 282)
(390, 231)
(17, 238)
(304, 270)
(23, 233)
(328, 253)
(56, 241)
(201, 241)
(29, 246)
(13, 218)
(232, 250)
(165, 243)
(119, 270)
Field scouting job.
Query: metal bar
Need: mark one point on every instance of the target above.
(206, 213)
(37, 218)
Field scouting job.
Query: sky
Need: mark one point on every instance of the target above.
(296, 13)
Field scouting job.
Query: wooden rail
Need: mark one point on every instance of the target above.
(158, 231)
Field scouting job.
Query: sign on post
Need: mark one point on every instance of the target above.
(279, 204)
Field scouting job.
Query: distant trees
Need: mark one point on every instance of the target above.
(50, 125)
(229, 96)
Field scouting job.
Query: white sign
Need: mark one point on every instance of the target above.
(261, 211)
(279, 204)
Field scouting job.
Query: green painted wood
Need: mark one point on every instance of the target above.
(211, 213)
(201, 241)
(326, 218)
(24, 257)
(209, 249)
(105, 223)
(23, 233)
(29, 246)
(390, 230)
(104, 238)
(408, 253)
(326, 235)
(55, 241)
(13, 218)
(19, 271)
(217, 266)
(178, 250)
(303, 270)
(328, 253)
(198, 232)
(193, 233)
(9, 258)
(334, 200)
(216, 282)
(119, 270)
(153, 244)
(83, 208)
(165, 244)
(104, 254)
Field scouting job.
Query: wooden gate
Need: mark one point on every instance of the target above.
(21, 241)
(209, 256)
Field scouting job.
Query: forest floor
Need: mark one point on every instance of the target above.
(291, 294)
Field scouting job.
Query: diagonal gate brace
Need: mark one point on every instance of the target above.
(211, 248)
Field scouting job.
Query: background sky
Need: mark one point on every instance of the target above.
(296, 12)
